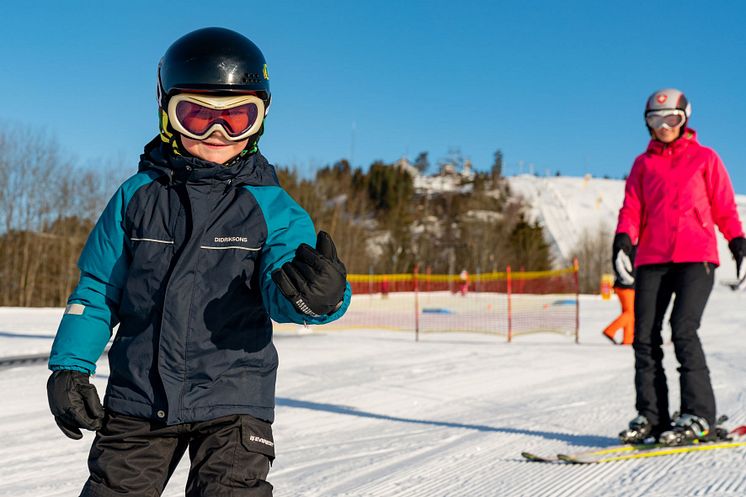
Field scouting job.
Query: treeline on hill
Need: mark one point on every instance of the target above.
(379, 220)
(384, 225)
(593, 252)
(47, 209)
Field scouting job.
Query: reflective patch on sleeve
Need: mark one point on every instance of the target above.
(75, 309)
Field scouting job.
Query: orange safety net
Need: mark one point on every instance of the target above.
(505, 303)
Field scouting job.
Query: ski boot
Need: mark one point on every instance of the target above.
(639, 431)
(719, 433)
(687, 429)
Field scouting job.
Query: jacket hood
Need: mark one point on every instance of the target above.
(251, 169)
(656, 147)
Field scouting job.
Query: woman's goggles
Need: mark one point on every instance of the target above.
(669, 119)
(198, 116)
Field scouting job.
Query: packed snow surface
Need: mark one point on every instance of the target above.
(374, 413)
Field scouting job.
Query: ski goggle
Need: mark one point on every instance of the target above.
(665, 118)
(198, 116)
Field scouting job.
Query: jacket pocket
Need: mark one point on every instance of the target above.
(226, 261)
(701, 218)
(150, 249)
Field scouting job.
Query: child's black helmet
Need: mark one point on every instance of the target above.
(211, 60)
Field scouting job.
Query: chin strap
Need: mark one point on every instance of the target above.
(167, 133)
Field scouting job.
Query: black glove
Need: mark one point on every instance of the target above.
(74, 403)
(737, 247)
(621, 258)
(315, 280)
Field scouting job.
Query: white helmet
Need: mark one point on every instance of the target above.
(669, 99)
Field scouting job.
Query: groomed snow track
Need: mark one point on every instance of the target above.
(371, 413)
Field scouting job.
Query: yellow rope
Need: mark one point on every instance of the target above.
(455, 278)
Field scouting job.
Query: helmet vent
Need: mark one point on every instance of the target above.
(251, 78)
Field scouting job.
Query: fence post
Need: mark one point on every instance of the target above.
(510, 307)
(416, 304)
(576, 268)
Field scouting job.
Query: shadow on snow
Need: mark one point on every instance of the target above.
(583, 440)
(10, 334)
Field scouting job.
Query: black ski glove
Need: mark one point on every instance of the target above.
(315, 280)
(74, 403)
(737, 247)
(621, 258)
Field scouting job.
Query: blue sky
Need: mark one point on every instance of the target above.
(557, 85)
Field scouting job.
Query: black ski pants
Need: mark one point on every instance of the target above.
(230, 457)
(655, 284)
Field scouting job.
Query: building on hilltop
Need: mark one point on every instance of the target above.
(448, 179)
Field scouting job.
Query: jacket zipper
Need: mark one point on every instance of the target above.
(208, 222)
(177, 266)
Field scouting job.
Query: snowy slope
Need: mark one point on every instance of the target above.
(372, 413)
(567, 206)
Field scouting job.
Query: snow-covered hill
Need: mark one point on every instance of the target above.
(568, 206)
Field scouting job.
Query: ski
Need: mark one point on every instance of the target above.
(638, 451)
(536, 458)
(641, 454)
(614, 449)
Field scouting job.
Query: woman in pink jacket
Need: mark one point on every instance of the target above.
(676, 193)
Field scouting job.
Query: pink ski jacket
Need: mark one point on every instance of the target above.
(674, 197)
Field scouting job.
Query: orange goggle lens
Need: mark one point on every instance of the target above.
(198, 119)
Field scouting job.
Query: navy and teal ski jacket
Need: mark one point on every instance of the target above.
(182, 258)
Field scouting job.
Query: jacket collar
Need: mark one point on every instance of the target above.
(252, 169)
(658, 148)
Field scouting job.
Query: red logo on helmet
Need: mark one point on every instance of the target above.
(661, 98)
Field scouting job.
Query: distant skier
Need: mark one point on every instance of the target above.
(624, 287)
(192, 257)
(676, 193)
(463, 287)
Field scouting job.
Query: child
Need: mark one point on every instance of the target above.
(676, 193)
(192, 257)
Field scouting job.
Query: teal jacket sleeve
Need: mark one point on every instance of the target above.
(91, 311)
(288, 225)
